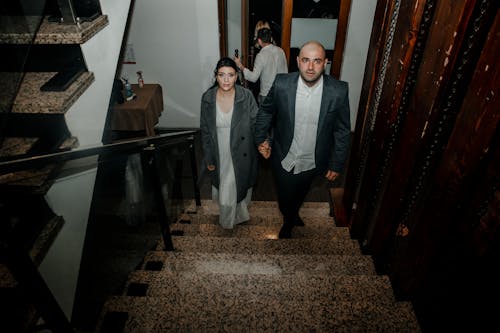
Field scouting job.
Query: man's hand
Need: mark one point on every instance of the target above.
(211, 167)
(331, 175)
(265, 149)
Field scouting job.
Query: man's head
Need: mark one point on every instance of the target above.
(265, 36)
(311, 62)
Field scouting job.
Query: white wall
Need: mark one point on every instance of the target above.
(176, 44)
(356, 49)
(86, 118)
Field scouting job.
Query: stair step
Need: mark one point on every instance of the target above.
(270, 231)
(261, 220)
(16, 146)
(254, 286)
(155, 314)
(264, 246)
(38, 180)
(13, 30)
(262, 208)
(31, 100)
(235, 263)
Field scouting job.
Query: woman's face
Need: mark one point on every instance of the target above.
(226, 78)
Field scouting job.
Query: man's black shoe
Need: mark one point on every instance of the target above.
(285, 232)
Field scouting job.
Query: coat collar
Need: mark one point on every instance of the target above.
(212, 94)
(210, 98)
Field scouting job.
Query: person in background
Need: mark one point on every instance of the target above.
(271, 60)
(311, 132)
(259, 25)
(227, 121)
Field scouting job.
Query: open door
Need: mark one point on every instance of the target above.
(325, 21)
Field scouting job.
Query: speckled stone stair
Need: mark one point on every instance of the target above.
(264, 246)
(158, 314)
(247, 263)
(261, 209)
(251, 286)
(19, 30)
(261, 231)
(247, 280)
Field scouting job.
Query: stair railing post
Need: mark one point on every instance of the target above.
(149, 157)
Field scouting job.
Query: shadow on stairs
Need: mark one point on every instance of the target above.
(247, 280)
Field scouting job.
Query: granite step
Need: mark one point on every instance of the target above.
(261, 208)
(161, 314)
(271, 231)
(254, 286)
(19, 30)
(31, 100)
(245, 263)
(261, 220)
(264, 246)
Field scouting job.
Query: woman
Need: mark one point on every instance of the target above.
(227, 121)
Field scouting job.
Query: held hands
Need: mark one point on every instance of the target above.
(211, 167)
(265, 149)
(331, 175)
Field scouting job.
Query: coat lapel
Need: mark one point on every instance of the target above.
(237, 110)
(325, 100)
(292, 99)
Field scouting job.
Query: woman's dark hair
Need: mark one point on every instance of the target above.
(226, 62)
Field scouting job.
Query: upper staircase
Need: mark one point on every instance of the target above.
(248, 280)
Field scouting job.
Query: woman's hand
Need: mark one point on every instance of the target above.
(211, 167)
(265, 149)
(331, 175)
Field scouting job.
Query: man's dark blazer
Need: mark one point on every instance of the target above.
(334, 128)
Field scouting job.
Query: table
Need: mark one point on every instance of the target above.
(141, 113)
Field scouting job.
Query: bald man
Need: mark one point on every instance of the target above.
(311, 132)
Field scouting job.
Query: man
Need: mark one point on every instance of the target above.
(311, 130)
(270, 61)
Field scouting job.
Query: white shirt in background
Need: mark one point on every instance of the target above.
(271, 60)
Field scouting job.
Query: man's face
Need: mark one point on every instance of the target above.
(311, 62)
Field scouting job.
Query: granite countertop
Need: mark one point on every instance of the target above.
(20, 30)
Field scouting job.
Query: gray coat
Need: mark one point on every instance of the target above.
(243, 150)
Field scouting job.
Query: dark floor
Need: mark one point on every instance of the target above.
(115, 244)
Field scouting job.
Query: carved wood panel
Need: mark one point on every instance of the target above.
(423, 170)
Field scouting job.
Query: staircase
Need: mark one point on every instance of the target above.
(246, 279)
(46, 82)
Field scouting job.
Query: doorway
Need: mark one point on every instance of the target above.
(286, 17)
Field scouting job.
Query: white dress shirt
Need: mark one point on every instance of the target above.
(300, 157)
(271, 60)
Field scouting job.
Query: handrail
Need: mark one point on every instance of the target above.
(16, 163)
